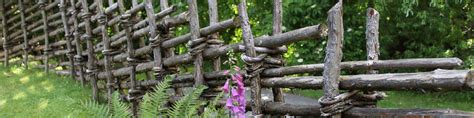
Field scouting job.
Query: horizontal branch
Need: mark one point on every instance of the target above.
(379, 64)
(435, 80)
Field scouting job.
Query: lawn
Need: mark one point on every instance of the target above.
(26, 93)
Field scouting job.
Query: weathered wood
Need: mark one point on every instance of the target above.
(154, 42)
(372, 36)
(169, 52)
(118, 38)
(428, 63)
(277, 24)
(313, 111)
(67, 36)
(439, 80)
(214, 19)
(42, 5)
(180, 59)
(91, 59)
(108, 66)
(5, 34)
(264, 41)
(195, 34)
(76, 34)
(127, 23)
(25, 33)
(248, 40)
(333, 56)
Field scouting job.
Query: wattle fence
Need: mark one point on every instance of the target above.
(112, 42)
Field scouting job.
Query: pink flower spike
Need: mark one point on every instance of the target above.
(228, 104)
(236, 68)
(225, 88)
(239, 76)
(235, 93)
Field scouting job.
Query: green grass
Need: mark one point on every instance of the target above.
(27, 93)
(459, 100)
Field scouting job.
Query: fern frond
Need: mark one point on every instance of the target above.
(98, 110)
(211, 111)
(186, 105)
(120, 109)
(153, 102)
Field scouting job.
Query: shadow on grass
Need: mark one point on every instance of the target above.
(33, 93)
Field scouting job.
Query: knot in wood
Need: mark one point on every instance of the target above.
(125, 20)
(85, 37)
(62, 7)
(102, 19)
(196, 46)
(85, 15)
(42, 4)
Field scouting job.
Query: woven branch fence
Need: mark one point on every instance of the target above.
(111, 42)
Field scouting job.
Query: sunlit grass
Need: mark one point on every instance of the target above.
(32, 93)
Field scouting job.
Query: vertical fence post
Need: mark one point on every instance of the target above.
(196, 44)
(25, 33)
(91, 60)
(277, 24)
(372, 36)
(155, 41)
(107, 52)
(78, 57)
(213, 39)
(134, 92)
(5, 33)
(167, 33)
(253, 62)
(68, 37)
(333, 57)
(42, 5)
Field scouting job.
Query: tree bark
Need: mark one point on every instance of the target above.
(277, 24)
(438, 80)
(378, 64)
(248, 40)
(195, 35)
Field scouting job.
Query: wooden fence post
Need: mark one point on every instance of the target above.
(333, 57)
(277, 25)
(134, 92)
(68, 37)
(155, 41)
(107, 51)
(42, 5)
(167, 33)
(78, 57)
(91, 59)
(5, 33)
(25, 33)
(253, 67)
(196, 44)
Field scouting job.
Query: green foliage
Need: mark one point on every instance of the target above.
(119, 109)
(98, 109)
(188, 105)
(153, 102)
